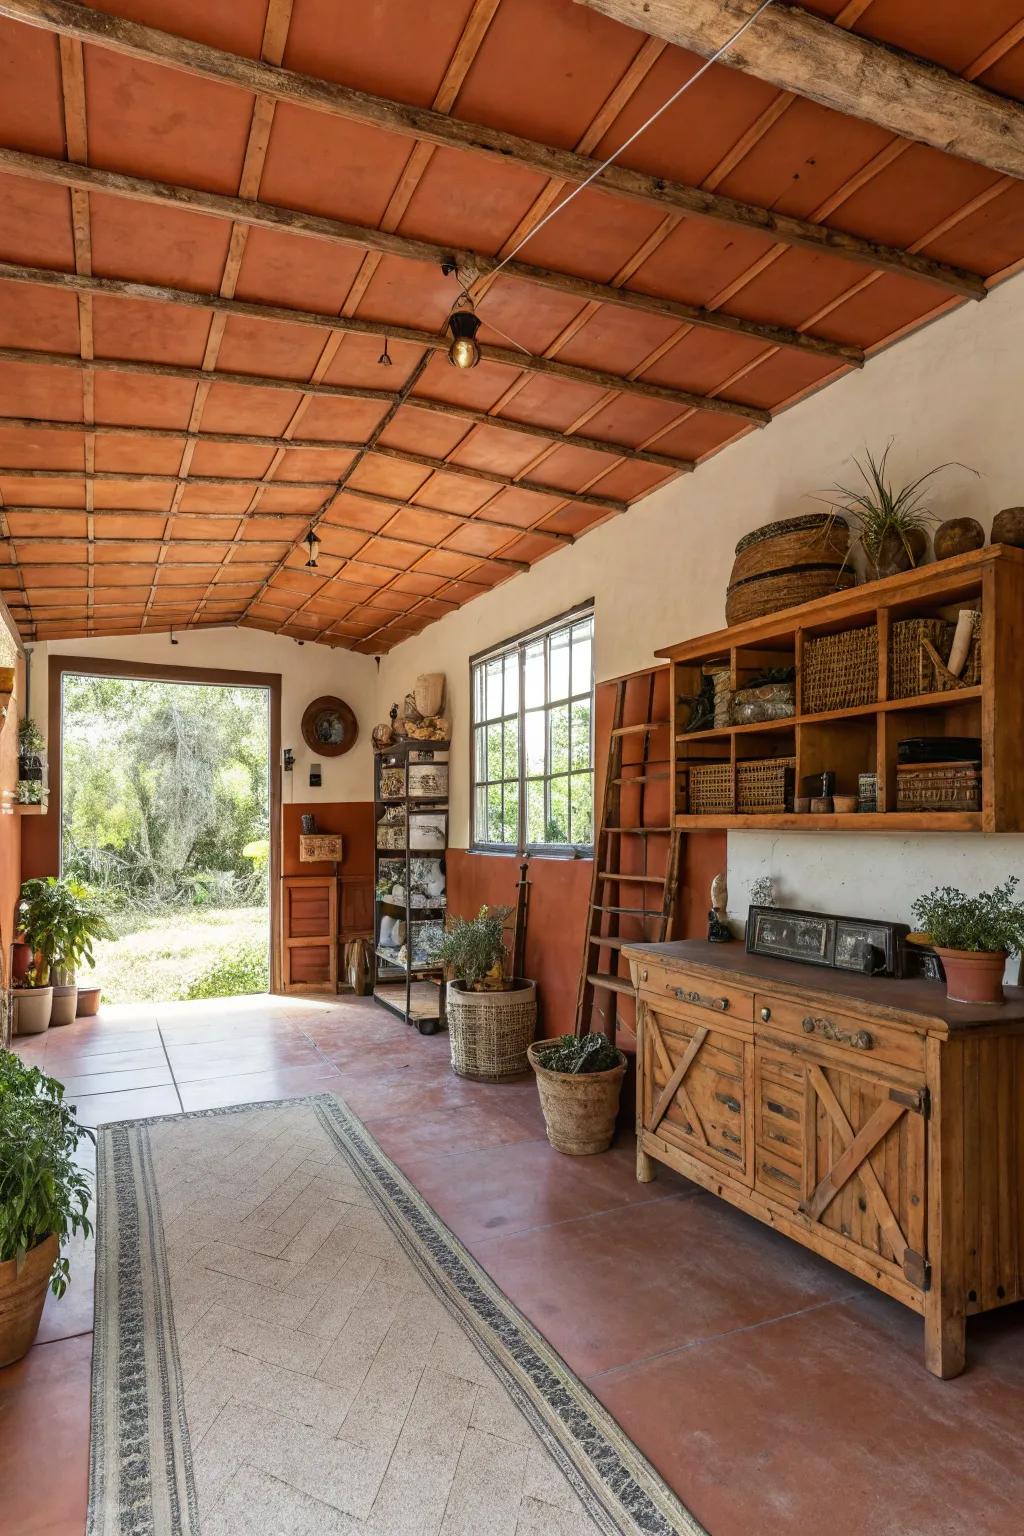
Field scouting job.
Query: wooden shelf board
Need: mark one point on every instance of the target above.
(942, 700)
(30, 810)
(868, 821)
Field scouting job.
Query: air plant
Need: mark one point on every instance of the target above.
(891, 526)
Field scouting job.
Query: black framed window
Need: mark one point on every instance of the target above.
(533, 740)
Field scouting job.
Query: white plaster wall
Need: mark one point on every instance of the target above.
(659, 573)
(306, 672)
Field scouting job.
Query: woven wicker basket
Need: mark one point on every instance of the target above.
(938, 787)
(710, 790)
(912, 669)
(840, 671)
(491, 1032)
(788, 589)
(765, 785)
(787, 563)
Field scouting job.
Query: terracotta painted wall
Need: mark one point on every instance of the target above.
(10, 825)
(352, 819)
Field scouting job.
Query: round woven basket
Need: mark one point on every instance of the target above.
(786, 563)
(786, 589)
(490, 1033)
(580, 1108)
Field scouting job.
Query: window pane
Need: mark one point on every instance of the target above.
(494, 689)
(535, 811)
(558, 739)
(512, 682)
(494, 814)
(535, 741)
(480, 815)
(493, 752)
(511, 766)
(582, 664)
(581, 815)
(480, 768)
(511, 833)
(478, 692)
(558, 665)
(534, 681)
(557, 829)
(580, 733)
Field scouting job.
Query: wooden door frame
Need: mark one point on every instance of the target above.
(96, 666)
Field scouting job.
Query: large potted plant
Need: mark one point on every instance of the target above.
(60, 919)
(32, 996)
(44, 1198)
(579, 1079)
(974, 935)
(492, 1018)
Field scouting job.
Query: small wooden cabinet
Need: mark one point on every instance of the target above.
(869, 1119)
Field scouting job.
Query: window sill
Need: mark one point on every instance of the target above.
(568, 856)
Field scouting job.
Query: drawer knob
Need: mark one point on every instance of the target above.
(766, 1014)
(857, 1039)
(643, 975)
(701, 1000)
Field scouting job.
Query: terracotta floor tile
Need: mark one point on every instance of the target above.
(79, 1061)
(44, 1439)
(658, 1274)
(198, 1063)
(113, 1082)
(434, 1135)
(257, 1087)
(72, 1314)
(134, 1104)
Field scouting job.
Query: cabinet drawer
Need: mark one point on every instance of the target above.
(778, 1178)
(707, 994)
(865, 1039)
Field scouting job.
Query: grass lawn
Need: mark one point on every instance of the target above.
(180, 954)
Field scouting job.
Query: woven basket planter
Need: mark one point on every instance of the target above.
(490, 1033)
(580, 1108)
(788, 563)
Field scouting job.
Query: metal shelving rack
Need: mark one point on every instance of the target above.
(415, 993)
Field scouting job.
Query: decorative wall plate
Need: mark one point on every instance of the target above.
(329, 726)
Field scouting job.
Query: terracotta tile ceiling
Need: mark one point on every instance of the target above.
(202, 261)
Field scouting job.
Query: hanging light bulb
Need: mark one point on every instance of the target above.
(464, 351)
(313, 545)
(385, 359)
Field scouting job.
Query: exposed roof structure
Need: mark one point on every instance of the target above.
(227, 241)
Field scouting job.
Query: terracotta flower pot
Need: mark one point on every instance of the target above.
(32, 1010)
(973, 975)
(894, 554)
(65, 1001)
(88, 1002)
(22, 1297)
(580, 1108)
(21, 960)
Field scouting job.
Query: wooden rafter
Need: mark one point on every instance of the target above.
(292, 221)
(433, 127)
(797, 51)
(595, 378)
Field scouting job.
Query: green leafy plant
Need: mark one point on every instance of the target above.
(236, 971)
(886, 520)
(578, 1054)
(30, 738)
(43, 1191)
(29, 792)
(991, 921)
(60, 919)
(472, 947)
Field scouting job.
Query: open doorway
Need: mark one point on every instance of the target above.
(168, 793)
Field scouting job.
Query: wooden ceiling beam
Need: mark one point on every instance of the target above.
(343, 392)
(344, 325)
(293, 221)
(437, 128)
(796, 51)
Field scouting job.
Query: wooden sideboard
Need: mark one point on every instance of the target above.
(870, 1119)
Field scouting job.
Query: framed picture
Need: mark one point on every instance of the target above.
(428, 831)
(428, 779)
(790, 935)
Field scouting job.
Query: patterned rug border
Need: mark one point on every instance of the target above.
(619, 1488)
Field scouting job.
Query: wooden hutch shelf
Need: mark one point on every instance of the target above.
(864, 737)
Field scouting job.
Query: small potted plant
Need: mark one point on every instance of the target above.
(60, 919)
(891, 526)
(33, 1002)
(973, 935)
(30, 788)
(579, 1079)
(491, 1018)
(44, 1198)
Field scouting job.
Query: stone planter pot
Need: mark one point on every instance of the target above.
(88, 1002)
(580, 1108)
(973, 975)
(490, 1032)
(65, 1003)
(32, 1010)
(22, 1297)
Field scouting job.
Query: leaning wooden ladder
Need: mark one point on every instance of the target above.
(622, 816)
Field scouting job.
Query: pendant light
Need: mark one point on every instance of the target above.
(313, 545)
(385, 360)
(463, 324)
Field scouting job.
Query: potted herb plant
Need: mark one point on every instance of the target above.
(60, 919)
(44, 1198)
(579, 1079)
(491, 1018)
(973, 936)
(891, 526)
(30, 788)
